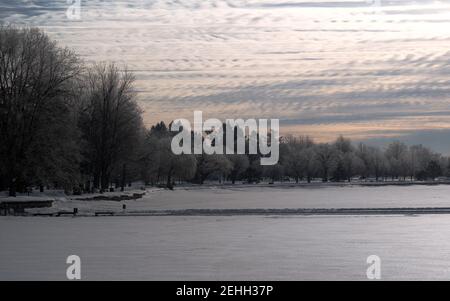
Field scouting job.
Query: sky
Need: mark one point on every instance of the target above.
(370, 70)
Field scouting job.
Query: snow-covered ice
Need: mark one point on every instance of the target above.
(225, 248)
(274, 247)
(302, 197)
(274, 197)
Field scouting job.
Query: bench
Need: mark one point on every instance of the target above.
(74, 212)
(98, 213)
(43, 214)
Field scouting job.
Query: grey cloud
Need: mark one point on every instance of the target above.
(30, 8)
(435, 139)
(361, 117)
(265, 57)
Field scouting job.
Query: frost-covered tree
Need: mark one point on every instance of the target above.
(298, 159)
(159, 164)
(325, 156)
(37, 131)
(418, 159)
(397, 156)
(212, 165)
(110, 120)
(240, 164)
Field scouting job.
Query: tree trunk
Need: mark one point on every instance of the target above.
(124, 170)
(12, 187)
(325, 175)
(96, 183)
(104, 182)
(169, 180)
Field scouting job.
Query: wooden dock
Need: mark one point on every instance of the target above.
(17, 207)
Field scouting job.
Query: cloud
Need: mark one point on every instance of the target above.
(317, 65)
(435, 139)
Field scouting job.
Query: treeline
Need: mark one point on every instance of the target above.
(301, 159)
(65, 124)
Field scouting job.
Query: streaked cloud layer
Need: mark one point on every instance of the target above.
(369, 70)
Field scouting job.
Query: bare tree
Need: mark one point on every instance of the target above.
(378, 163)
(173, 166)
(397, 155)
(240, 164)
(212, 165)
(299, 157)
(325, 156)
(110, 121)
(36, 78)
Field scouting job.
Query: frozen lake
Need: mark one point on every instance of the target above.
(236, 247)
(303, 197)
(225, 248)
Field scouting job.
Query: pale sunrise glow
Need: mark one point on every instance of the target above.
(364, 69)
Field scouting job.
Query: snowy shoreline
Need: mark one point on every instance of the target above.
(137, 193)
(259, 199)
(258, 212)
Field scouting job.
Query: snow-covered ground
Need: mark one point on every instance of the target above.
(225, 248)
(272, 197)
